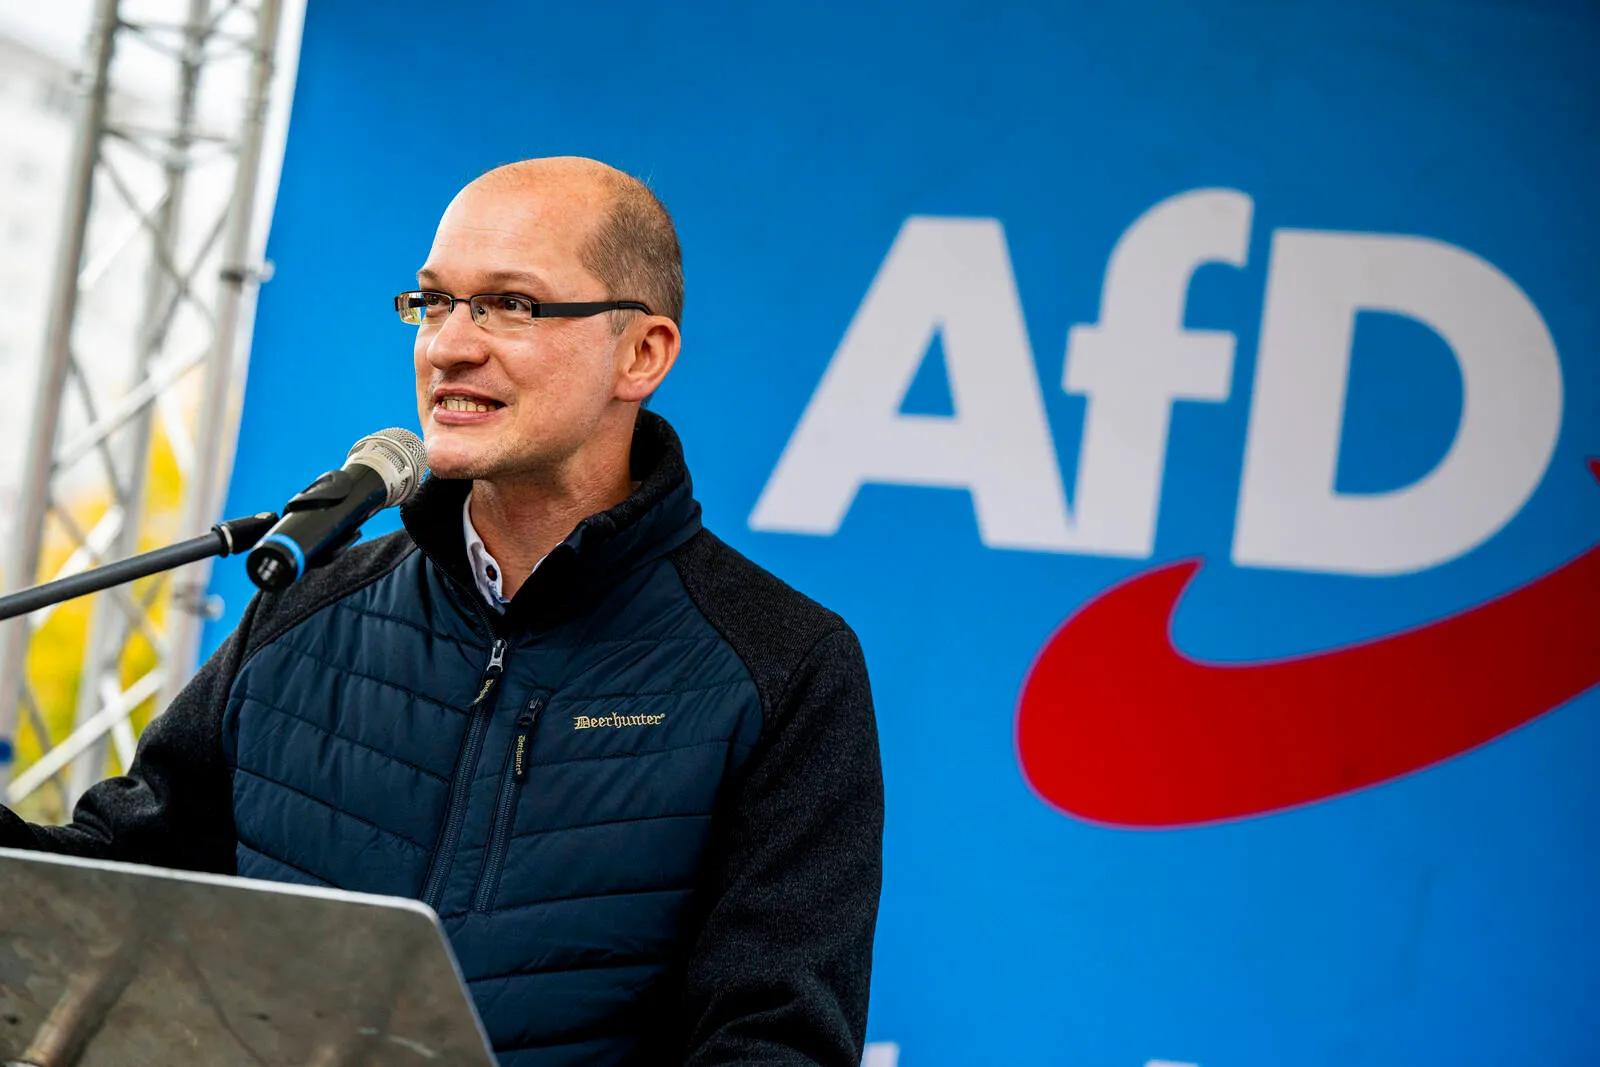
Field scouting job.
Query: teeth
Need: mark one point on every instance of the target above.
(461, 403)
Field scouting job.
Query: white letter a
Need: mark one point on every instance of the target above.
(953, 276)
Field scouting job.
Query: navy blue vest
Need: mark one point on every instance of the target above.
(544, 781)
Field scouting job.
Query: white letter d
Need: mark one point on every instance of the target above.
(1289, 513)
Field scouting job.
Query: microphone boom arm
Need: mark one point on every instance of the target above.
(226, 538)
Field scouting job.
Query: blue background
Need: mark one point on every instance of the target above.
(1445, 917)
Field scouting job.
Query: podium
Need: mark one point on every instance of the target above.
(119, 965)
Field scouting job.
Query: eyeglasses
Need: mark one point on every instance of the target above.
(498, 311)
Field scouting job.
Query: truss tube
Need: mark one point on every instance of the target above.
(28, 534)
(241, 276)
(123, 434)
(109, 630)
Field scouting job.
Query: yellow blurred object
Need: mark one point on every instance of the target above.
(56, 650)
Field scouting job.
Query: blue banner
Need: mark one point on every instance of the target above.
(1190, 406)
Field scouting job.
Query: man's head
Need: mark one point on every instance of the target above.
(556, 230)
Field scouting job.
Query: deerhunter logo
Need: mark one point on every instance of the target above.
(590, 722)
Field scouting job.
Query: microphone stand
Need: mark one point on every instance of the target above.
(226, 538)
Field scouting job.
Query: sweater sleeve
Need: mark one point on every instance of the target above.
(174, 806)
(779, 970)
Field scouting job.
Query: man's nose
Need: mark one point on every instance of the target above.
(459, 340)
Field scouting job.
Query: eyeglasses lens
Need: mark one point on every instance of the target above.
(502, 312)
(417, 308)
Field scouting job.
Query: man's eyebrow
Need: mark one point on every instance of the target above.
(493, 280)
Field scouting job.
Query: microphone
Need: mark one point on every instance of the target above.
(382, 469)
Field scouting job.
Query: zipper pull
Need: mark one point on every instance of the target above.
(524, 738)
(496, 667)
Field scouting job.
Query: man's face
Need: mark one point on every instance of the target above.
(546, 386)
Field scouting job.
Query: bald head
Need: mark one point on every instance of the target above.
(631, 245)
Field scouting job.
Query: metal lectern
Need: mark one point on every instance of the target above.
(119, 965)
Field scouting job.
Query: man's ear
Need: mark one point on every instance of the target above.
(646, 351)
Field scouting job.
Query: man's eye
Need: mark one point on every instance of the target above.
(433, 300)
(514, 304)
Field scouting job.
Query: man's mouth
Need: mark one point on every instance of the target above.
(466, 403)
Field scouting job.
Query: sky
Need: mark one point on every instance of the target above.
(61, 33)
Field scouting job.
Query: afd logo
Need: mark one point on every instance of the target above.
(954, 276)
(1115, 724)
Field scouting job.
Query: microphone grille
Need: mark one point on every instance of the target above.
(398, 456)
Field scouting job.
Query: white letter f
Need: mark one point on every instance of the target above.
(1138, 359)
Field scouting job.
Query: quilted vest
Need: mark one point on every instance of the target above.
(545, 781)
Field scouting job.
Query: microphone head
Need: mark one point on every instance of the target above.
(399, 458)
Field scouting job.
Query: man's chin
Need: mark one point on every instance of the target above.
(449, 460)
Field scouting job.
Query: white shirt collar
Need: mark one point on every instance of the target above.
(485, 569)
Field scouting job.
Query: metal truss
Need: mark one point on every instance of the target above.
(138, 219)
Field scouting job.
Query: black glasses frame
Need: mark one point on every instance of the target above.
(569, 310)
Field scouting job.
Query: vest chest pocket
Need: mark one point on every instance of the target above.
(512, 775)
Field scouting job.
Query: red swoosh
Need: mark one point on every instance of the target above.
(1117, 726)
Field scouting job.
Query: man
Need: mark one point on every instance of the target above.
(636, 775)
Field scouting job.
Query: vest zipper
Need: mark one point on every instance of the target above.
(466, 765)
(511, 778)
